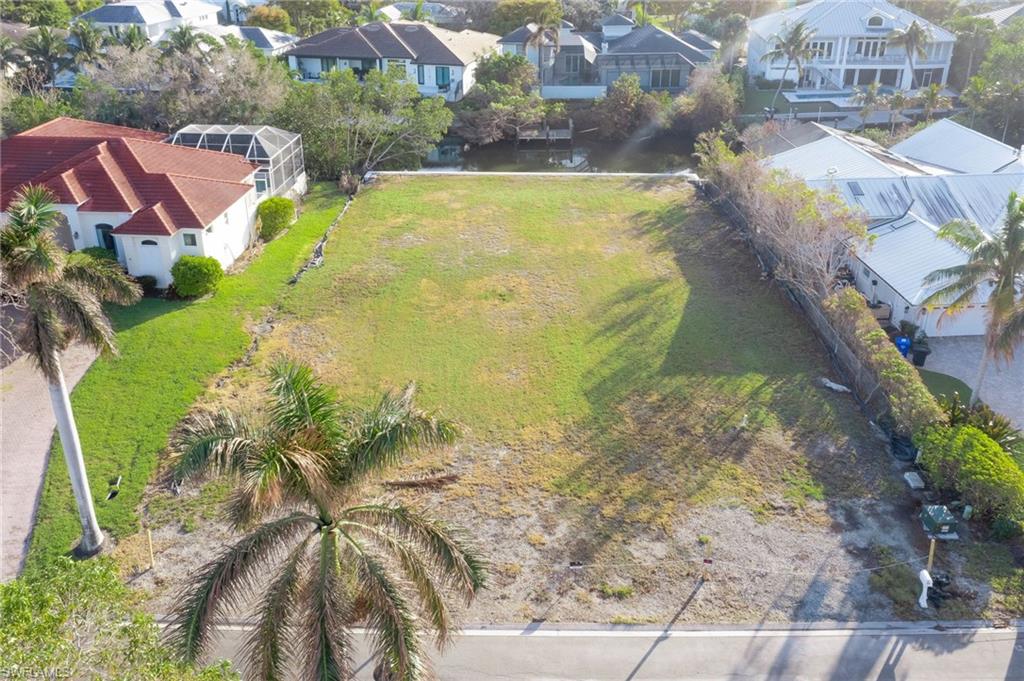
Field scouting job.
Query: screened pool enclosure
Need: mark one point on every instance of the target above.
(278, 152)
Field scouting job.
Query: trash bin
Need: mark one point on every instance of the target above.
(902, 344)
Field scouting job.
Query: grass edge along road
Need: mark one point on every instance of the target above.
(125, 406)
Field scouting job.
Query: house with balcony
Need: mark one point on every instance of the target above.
(850, 44)
(154, 17)
(582, 64)
(440, 62)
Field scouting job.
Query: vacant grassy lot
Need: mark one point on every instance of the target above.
(636, 399)
(125, 406)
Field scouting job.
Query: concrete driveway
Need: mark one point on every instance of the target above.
(26, 432)
(1003, 388)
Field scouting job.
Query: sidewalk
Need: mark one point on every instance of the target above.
(26, 431)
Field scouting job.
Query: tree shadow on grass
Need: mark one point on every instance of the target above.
(146, 310)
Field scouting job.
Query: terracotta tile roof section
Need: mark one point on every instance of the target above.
(107, 168)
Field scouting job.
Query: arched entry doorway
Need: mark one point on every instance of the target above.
(104, 237)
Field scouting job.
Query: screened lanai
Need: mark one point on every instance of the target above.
(278, 152)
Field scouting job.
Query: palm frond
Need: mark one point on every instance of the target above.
(227, 580)
(216, 442)
(301, 401)
(963, 234)
(446, 549)
(263, 647)
(276, 474)
(323, 633)
(381, 436)
(44, 338)
(80, 312)
(104, 278)
(393, 620)
(1008, 335)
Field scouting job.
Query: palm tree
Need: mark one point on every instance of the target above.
(544, 32)
(369, 12)
(896, 103)
(869, 99)
(61, 295)
(186, 40)
(913, 40)
(46, 51)
(794, 46)
(995, 267)
(417, 13)
(976, 96)
(86, 42)
(932, 99)
(11, 55)
(337, 560)
(133, 38)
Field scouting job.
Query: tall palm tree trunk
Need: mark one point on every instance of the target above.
(913, 79)
(92, 536)
(782, 80)
(979, 378)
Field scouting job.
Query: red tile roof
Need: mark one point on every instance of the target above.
(109, 168)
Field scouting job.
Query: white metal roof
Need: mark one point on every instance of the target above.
(1004, 15)
(838, 154)
(832, 18)
(958, 148)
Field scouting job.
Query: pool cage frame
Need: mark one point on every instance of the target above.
(277, 152)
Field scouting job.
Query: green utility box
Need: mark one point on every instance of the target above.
(937, 520)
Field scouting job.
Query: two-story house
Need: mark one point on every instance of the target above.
(850, 46)
(439, 61)
(154, 17)
(582, 64)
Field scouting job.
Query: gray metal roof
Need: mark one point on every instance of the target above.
(1004, 15)
(947, 144)
(149, 12)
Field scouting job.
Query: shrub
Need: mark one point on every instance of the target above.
(1004, 529)
(982, 417)
(967, 460)
(275, 214)
(147, 282)
(912, 404)
(763, 83)
(99, 252)
(196, 275)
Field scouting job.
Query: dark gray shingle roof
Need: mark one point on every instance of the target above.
(653, 40)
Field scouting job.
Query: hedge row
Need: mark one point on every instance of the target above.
(912, 404)
(966, 460)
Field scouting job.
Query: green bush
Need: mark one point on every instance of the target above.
(196, 275)
(912, 404)
(99, 252)
(275, 214)
(982, 417)
(147, 282)
(965, 459)
(1005, 529)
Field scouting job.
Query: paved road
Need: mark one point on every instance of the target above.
(722, 655)
(26, 431)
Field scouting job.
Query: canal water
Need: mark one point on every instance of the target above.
(663, 153)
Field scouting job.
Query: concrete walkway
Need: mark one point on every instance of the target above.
(1003, 388)
(26, 432)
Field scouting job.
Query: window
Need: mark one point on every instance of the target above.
(190, 239)
(148, 242)
(443, 76)
(328, 64)
(875, 22)
(822, 49)
(665, 78)
(573, 63)
(421, 76)
(261, 184)
(871, 47)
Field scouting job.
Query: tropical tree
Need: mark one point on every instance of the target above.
(61, 295)
(931, 100)
(417, 12)
(995, 270)
(793, 46)
(86, 42)
(369, 12)
(46, 52)
(337, 560)
(896, 103)
(913, 40)
(869, 99)
(186, 40)
(731, 29)
(133, 38)
(544, 33)
(10, 54)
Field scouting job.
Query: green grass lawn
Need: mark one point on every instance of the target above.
(755, 100)
(125, 406)
(604, 339)
(943, 384)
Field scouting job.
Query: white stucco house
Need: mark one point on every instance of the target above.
(906, 193)
(130, 192)
(154, 17)
(850, 46)
(439, 61)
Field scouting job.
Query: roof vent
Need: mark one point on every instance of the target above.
(410, 29)
(371, 27)
(855, 189)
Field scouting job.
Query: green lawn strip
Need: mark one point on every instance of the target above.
(943, 384)
(126, 406)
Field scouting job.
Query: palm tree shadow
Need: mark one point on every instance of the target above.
(665, 632)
